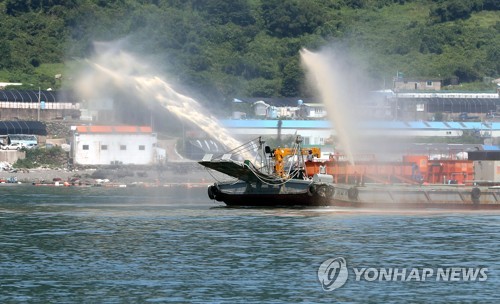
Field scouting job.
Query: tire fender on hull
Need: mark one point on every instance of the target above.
(353, 193)
(475, 194)
(325, 191)
(321, 193)
(213, 192)
(311, 190)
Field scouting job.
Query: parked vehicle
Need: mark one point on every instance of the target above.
(31, 146)
(465, 116)
(491, 115)
(13, 146)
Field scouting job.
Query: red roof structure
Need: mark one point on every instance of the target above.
(114, 129)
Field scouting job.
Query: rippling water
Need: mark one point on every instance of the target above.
(127, 245)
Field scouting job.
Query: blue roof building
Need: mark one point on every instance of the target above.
(315, 132)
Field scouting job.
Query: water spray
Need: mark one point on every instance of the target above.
(153, 88)
(330, 86)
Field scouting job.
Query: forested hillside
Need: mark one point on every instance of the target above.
(227, 48)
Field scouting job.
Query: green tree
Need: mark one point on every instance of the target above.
(293, 78)
(225, 47)
(292, 18)
(225, 11)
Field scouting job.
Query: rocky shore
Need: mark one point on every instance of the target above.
(173, 173)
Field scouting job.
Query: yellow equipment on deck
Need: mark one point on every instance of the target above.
(281, 153)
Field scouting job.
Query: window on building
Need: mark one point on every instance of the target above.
(85, 147)
(123, 147)
(429, 83)
(142, 147)
(104, 147)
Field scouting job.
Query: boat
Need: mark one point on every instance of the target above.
(275, 177)
(287, 177)
(406, 196)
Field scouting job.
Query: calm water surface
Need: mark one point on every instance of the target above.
(93, 245)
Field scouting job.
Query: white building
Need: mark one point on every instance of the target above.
(5, 84)
(312, 111)
(260, 108)
(105, 145)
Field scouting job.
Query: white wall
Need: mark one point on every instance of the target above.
(487, 170)
(36, 105)
(416, 133)
(95, 155)
(313, 137)
(317, 136)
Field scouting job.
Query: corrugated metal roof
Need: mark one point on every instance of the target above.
(114, 129)
(22, 127)
(32, 96)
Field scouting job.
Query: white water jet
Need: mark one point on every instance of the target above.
(186, 108)
(329, 77)
(126, 73)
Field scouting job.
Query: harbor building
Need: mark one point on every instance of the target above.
(115, 145)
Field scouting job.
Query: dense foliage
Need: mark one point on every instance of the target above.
(52, 157)
(230, 48)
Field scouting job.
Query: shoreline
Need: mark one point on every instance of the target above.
(107, 177)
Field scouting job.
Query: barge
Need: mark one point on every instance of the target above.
(404, 196)
(289, 177)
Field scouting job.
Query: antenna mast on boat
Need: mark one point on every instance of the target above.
(263, 161)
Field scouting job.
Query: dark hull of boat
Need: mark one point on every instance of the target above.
(297, 193)
(271, 200)
(306, 194)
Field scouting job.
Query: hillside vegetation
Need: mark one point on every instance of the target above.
(250, 48)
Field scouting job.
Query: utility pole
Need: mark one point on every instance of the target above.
(151, 119)
(38, 111)
(183, 136)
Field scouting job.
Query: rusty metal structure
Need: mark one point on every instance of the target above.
(413, 169)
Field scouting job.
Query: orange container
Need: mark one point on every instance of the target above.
(420, 160)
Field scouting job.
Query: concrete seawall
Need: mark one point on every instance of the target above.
(11, 156)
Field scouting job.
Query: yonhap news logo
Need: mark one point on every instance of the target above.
(333, 274)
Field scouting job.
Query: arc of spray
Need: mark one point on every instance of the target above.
(325, 81)
(153, 88)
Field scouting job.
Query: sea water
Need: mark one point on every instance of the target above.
(140, 245)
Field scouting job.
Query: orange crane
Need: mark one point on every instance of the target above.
(281, 153)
